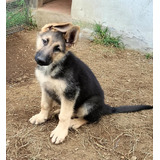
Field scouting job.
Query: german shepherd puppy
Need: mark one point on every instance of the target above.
(66, 79)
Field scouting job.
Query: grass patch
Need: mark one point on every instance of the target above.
(14, 18)
(149, 56)
(102, 35)
(17, 14)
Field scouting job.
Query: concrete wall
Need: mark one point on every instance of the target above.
(130, 18)
(37, 3)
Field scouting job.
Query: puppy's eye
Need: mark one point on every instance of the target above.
(45, 41)
(56, 49)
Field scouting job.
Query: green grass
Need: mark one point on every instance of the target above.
(103, 36)
(149, 56)
(17, 14)
(15, 18)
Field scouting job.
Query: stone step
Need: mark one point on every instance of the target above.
(44, 16)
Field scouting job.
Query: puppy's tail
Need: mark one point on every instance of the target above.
(125, 109)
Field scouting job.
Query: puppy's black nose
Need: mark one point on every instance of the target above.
(43, 60)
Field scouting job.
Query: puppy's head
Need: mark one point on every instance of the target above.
(53, 42)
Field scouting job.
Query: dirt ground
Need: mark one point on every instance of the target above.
(125, 76)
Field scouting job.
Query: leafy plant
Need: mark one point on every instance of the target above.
(17, 14)
(103, 36)
(149, 55)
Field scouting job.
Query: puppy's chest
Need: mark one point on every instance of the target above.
(50, 84)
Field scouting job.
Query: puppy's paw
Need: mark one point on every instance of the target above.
(38, 119)
(76, 123)
(58, 135)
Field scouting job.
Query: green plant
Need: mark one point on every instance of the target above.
(17, 14)
(31, 22)
(149, 55)
(103, 36)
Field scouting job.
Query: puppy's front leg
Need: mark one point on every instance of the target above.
(61, 131)
(46, 103)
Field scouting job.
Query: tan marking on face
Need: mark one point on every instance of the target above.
(39, 43)
(59, 55)
(48, 50)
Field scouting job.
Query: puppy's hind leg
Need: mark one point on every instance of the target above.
(91, 111)
(46, 102)
(77, 122)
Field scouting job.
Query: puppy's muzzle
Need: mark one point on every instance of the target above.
(43, 60)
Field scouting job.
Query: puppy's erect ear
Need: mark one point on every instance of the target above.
(71, 33)
(62, 27)
(72, 36)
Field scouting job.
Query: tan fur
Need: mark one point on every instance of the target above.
(67, 28)
(61, 131)
(56, 56)
(46, 103)
(77, 122)
(48, 83)
(82, 111)
(63, 27)
(39, 43)
(56, 111)
(74, 28)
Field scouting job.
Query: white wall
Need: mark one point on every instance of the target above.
(130, 18)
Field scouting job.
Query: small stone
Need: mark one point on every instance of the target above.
(7, 144)
(24, 77)
(19, 79)
(133, 158)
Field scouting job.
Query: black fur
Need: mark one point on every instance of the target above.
(83, 84)
(53, 95)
